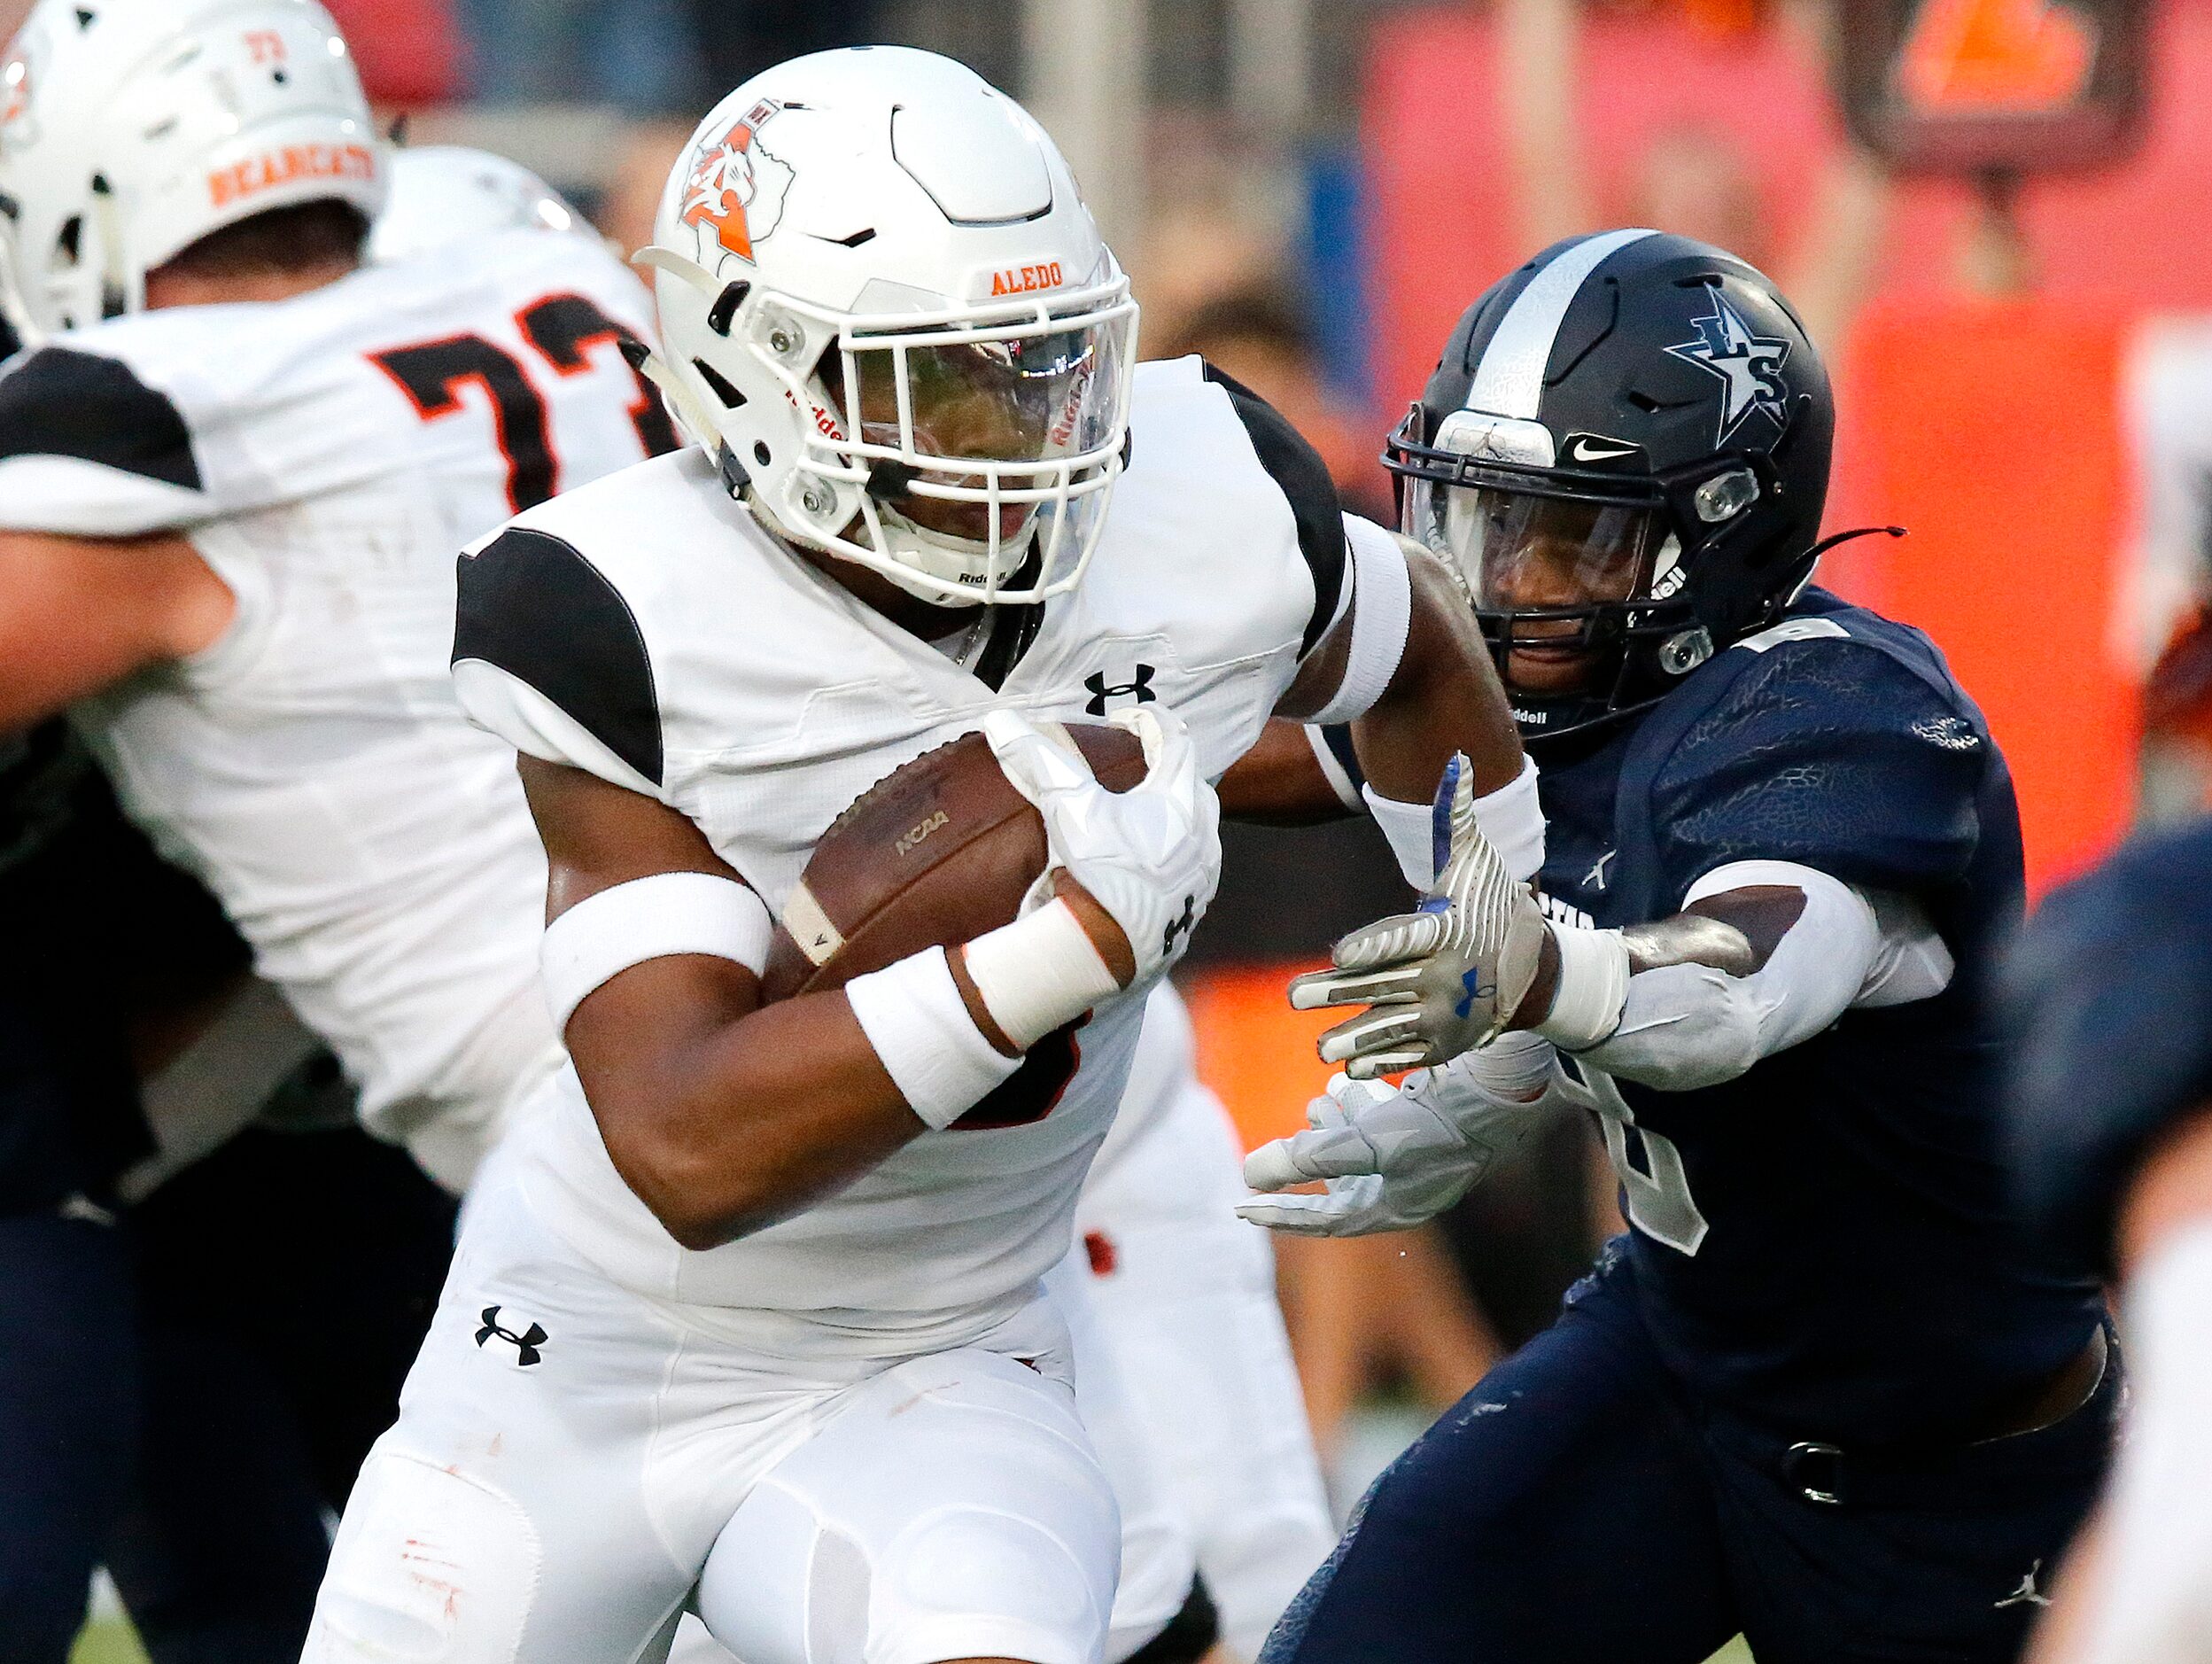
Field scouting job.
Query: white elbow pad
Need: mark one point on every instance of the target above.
(1687, 1026)
(650, 918)
(1382, 617)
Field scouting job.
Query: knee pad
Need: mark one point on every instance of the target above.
(429, 1567)
(783, 1586)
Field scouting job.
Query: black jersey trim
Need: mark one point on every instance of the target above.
(532, 605)
(57, 402)
(1303, 478)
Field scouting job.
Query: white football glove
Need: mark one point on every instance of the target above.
(1151, 856)
(1397, 1159)
(1441, 980)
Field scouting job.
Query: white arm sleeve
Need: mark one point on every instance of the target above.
(1685, 1026)
(1381, 593)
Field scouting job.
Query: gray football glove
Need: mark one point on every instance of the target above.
(1442, 980)
(1397, 1159)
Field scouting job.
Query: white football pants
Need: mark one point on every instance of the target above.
(570, 1455)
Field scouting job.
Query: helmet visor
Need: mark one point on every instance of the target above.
(1521, 553)
(1032, 412)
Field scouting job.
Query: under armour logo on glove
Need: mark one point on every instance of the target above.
(1142, 687)
(526, 1344)
(1179, 926)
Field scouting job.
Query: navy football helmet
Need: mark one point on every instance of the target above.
(1624, 451)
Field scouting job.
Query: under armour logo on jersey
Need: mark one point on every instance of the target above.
(1180, 926)
(2028, 1594)
(526, 1344)
(1748, 366)
(1142, 687)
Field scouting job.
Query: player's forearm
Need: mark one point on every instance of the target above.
(1444, 697)
(725, 1115)
(1700, 997)
(727, 1124)
(1281, 782)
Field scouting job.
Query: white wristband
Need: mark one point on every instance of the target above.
(1410, 828)
(914, 1017)
(1039, 972)
(648, 918)
(1592, 988)
(1511, 818)
(1382, 617)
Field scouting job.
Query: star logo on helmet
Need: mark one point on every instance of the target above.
(734, 195)
(1747, 365)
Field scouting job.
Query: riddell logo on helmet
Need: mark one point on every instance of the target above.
(1022, 280)
(276, 167)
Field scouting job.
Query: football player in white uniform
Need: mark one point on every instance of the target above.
(233, 470)
(316, 452)
(748, 1312)
(1198, 1379)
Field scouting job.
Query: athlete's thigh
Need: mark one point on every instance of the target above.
(1950, 1562)
(510, 1515)
(952, 1508)
(1558, 1514)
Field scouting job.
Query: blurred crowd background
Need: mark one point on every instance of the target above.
(1308, 192)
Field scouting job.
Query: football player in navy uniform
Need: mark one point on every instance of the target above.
(2110, 1137)
(1820, 1393)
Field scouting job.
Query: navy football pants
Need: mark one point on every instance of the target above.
(1574, 1509)
(184, 1395)
(68, 1409)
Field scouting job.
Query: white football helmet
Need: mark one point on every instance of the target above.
(131, 128)
(886, 310)
(441, 193)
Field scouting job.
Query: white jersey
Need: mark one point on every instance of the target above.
(646, 630)
(328, 457)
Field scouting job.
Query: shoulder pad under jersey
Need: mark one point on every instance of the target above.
(1828, 750)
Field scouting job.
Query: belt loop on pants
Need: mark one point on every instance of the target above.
(1816, 1473)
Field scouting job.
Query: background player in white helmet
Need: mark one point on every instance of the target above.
(444, 193)
(744, 1307)
(230, 484)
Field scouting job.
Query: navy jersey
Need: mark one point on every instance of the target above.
(1837, 1257)
(2113, 1011)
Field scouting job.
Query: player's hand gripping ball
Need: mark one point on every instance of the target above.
(1150, 856)
(1445, 978)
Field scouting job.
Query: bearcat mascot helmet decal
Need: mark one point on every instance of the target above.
(887, 313)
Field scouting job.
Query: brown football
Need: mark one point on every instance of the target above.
(936, 853)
